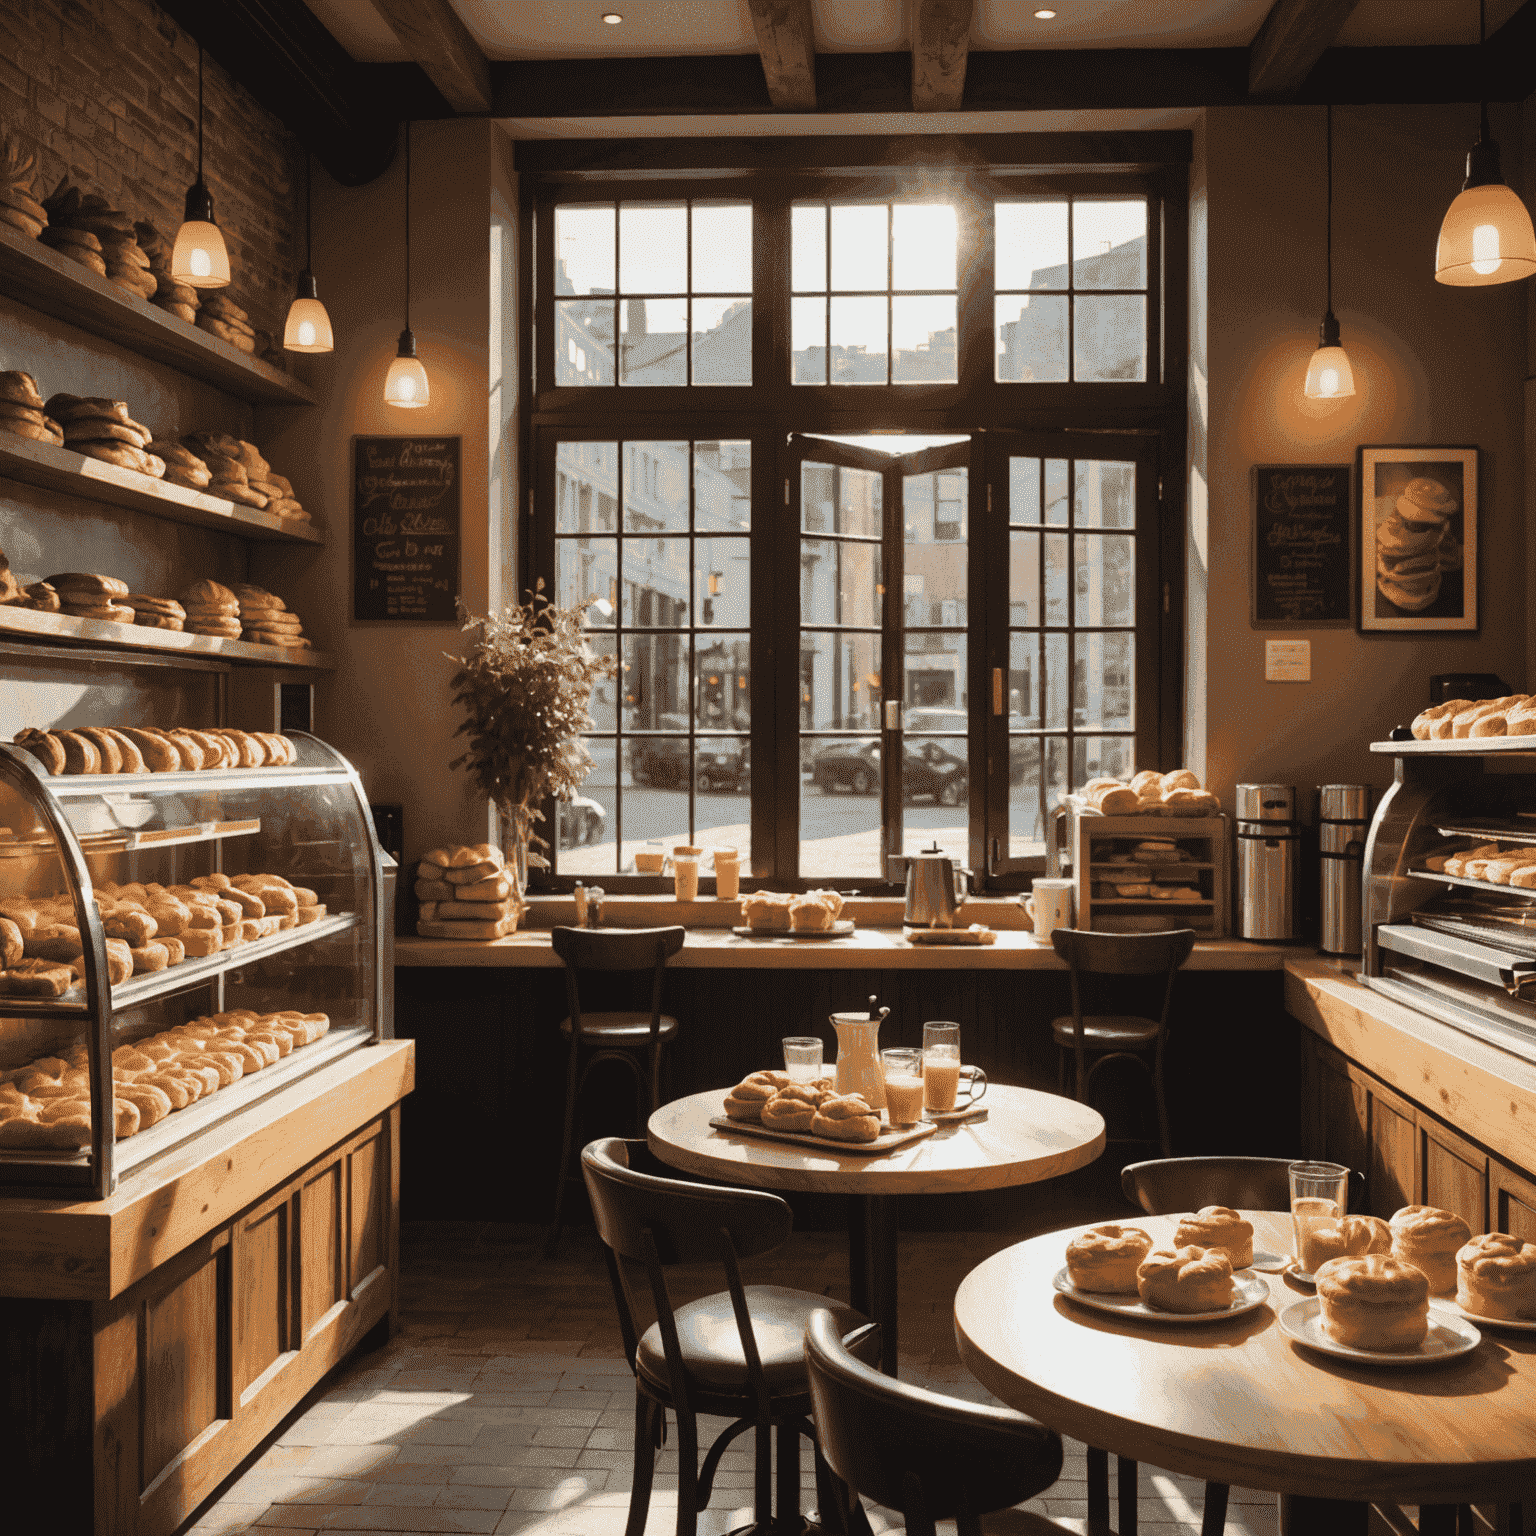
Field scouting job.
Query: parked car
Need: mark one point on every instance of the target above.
(724, 763)
(928, 771)
(581, 822)
(661, 760)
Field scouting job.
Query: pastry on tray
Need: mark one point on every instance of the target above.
(745, 1101)
(846, 1117)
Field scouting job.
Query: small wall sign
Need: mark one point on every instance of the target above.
(406, 500)
(1301, 545)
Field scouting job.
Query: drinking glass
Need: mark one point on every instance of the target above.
(942, 1071)
(802, 1057)
(1319, 1196)
(904, 1090)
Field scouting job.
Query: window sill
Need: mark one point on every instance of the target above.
(551, 911)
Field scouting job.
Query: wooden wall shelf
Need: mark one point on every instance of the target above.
(38, 276)
(28, 624)
(58, 469)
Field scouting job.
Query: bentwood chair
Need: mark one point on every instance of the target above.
(737, 1353)
(1118, 1037)
(931, 1457)
(634, 1039)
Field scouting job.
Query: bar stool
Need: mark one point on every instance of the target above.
(628, 1037)
(737, 1353)
(1118, 1037)
(932, 1457)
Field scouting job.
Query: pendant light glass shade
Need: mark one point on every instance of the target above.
(406, 382)
(1329, 376)
(1486, 236)
(308, 328)
(199, 258)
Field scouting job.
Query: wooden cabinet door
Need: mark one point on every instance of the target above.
(1513, 1202)
(1391, 1170)
(1343, 1113)
(1453, 1173)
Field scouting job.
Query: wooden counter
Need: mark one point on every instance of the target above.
(882, 948)
(155, 1338)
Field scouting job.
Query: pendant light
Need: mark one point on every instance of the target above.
(199, 258)
(309, 327)
(406, 382)
(1486, 236)
(1329, 376)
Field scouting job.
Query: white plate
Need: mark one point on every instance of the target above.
(1270, 1263)
(971, 1112)
(838, 930)
(1449, 1335)
(1248, 1292)
(1524, 1324)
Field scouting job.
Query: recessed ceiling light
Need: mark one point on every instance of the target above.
(612, 18)
(1045, 15)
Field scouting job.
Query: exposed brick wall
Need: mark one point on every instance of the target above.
(105, 92)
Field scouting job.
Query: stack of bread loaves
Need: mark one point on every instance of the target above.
(265, 619)
(241, 474)
(212, 609)
(1416, 544)
(1513, 715)
(466, 893)
(182, 466)
(111, 247)
(18, 207)
(89, 596)
(220, 316)
(179, 299)
(102, 429)
(24, 411)
(1149, 793)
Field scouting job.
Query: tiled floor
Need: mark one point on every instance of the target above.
(505, 1405)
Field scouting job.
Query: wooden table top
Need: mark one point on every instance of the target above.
(1025, 1136)
(1237, 1402)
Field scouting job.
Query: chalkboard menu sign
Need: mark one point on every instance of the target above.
(405, 528)
(1301, 545)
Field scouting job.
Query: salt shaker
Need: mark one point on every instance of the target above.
(595, 894)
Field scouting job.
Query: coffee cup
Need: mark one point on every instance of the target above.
(650, 861)
(1049, 907)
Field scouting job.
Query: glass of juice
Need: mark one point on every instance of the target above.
(941, 1066)
(1319, 1196)
(903, 1070)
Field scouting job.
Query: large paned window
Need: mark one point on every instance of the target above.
(861, 476)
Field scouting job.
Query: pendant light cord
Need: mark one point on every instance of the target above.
(1330, 207)
(309, 217)
(1482, 39)
(200, 113)
(407, 223)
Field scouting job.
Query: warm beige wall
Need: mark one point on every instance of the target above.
(1432, 365)
(387, 705)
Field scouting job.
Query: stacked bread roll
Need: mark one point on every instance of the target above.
(211, 609)
(85, 595)
(39, 594)
(1416, 545)
(47, 1104)
(466, 892)
(241, 474)
(182, 466)
(152, 612)
(111, 249)
(1496, 1277)
(1457, 719)
(132, 749)
(775, 1101)
(1149, 793)
(179, 299)
(18, 207)
(102, 429)
(23, 411)
(266, 620)
(220, 316)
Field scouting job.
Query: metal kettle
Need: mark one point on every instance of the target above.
(935, 888)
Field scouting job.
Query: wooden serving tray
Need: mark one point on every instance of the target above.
(888, 1140)
(975, 934)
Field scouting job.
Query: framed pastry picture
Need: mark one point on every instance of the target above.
(1418, 538)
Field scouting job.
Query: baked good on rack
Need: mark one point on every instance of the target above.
(1374, 1302)
(745, 1101)
(1185, 1280)
(1349, 1237)
(1218, 1228)
(814, 912)
(1424, 721)
(1456, 863)
(1110, 797)
(1462, 723)
(1107, 1257)
(1496, 1277)
(44, 746)
(1430, 1239)
(793, 1108)
(846, 1117)
(767, 910)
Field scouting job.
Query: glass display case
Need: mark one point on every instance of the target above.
(227, 935)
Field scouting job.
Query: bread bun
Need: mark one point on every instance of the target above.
(792, 1108)
(1185, 1280)
(767, 910)
(1350, 1237)
(1218, 1228)
(1423, 722)
(1106, 1258)
(1376, 1301)
(846, 1117)
(745, 1101)
(1429, 1239)
(1496, 1277)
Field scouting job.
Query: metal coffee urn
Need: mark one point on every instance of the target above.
(1344, 812)
(1268, 847)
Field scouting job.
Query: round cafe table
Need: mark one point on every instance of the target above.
(1024, 1137)
(1238, 1403)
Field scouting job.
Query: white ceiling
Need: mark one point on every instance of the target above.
(567, 29)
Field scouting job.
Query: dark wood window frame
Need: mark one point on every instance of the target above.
(773, 409)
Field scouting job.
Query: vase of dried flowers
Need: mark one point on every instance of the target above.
(525, 685)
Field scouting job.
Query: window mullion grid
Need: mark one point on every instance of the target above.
(693, 617)
(618, 349)
(620, 492)
(1039, 682)
(890, 285)
(1071, 619)
(688, 329)
(1071, 298)
(826, 298)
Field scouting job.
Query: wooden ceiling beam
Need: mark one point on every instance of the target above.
(1290, 41)
(432, 34)
(788, 47)
(941, 44)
